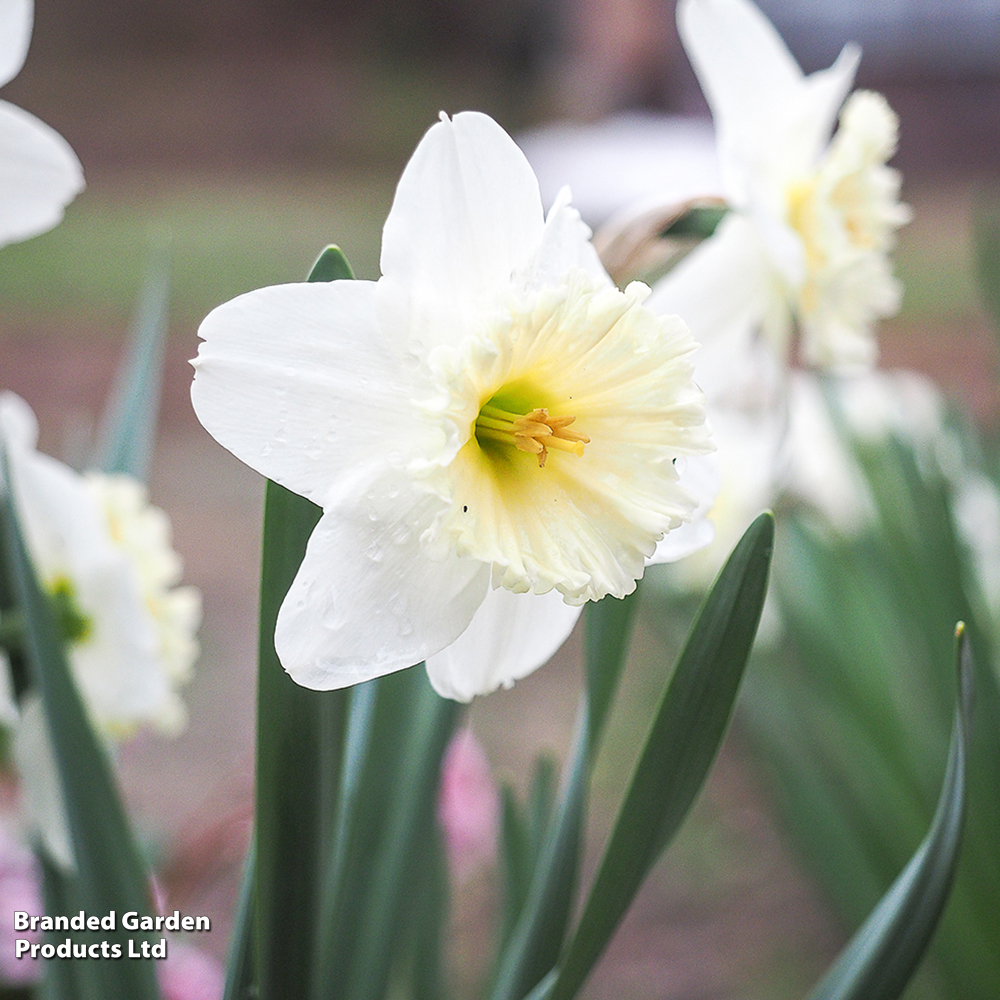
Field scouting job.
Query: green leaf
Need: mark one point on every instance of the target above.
(239, 966)
(128, 428)
(299, 738)
(299, 748)
(109, 873)
(683, 740)
(388, 838)
(880, 959)
(700, 221)
(331, 265)
(533, 945)
(522, 837)
(607, 629)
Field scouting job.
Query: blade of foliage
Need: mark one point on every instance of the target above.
(683, 740)
(331, 265)
(522, 836)
(856, 703)
(239, 967)
(64, 979)
(533, 945)
(428, 922)
(299, 746)
(389, 838)
(408, 826)
(109, 873)
(700, 221)
(128, 428)
(880, 959)
(607, 630)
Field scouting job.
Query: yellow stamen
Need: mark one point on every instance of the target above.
(533, 432)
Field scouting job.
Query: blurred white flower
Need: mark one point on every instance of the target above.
(489, 426)
(103, 555)
(813, 220)
(820, 467)
(39, 173)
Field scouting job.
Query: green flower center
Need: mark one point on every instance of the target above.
(74, 625)
(506, 418)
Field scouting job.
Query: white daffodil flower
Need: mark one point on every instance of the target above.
(39, 173)
(813, 219)
(491, 428)
(104, 557)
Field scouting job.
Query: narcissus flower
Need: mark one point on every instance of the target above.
(493, 430)
(103, 555)
(814, 219)
(39, 173)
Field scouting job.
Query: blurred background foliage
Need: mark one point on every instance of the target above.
(257, 131)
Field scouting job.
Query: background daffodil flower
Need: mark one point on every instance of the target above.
(39, 173)
(104, 556)
(813, 219)
(493, 430)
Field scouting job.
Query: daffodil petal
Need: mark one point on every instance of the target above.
(701, 477)
(298, 382)
(742, 63)
(825, 92)
(765, 109)
(41, 787)
(39, 175)
(9, 713)
(721, 290)
(467, 214)
(18, 424)
(565, 245)
(510, 636)
(367, 599)
(15, 34)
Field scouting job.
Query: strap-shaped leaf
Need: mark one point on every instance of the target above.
(239, 966)
(299, 742)
(880, 959)
(109, 873)
(128, 427)
(683, 740)
(393, 835)
(522, 835)
(534, 944)
(331, 265)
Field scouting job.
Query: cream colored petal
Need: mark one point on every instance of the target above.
(367, 600)
(582, 523)
(769, 117)
(9, 713)
(699, 476)
(467, 214)
(16, 18)
(39, 175)
(40, 784)
(565, 245)
(299, 382)
(509, 637)
(721, 290)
